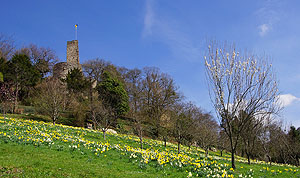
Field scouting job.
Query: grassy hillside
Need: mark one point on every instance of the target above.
(38, 149)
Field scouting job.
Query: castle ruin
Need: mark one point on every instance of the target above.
(60, 70)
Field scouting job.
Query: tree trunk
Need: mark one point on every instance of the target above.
(54, 116)
(269, 158)
(232, 158)
(206, 152)
(4, 110)
(248, 157)
(141, 141)
(104, 132)
(165, 141)
(178, 147)
(94, 122)
(16, 99)
(221, 152)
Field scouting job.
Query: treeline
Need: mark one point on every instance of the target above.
(145, 102)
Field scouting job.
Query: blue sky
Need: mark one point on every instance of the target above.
(169, 34)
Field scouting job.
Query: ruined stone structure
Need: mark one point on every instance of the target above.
(60, 70)
(72, 52)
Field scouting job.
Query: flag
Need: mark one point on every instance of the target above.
(76, 25)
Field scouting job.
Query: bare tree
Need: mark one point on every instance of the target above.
(206, 131)
(7, 97)
(182, 122)
(239, 83)
(250, 135)
(42, 58)
(280, 145)
(101, 116)
(94, 69)
(133, 79)
(51, 98)
(7, 47)
(159, 94)
(271, 139)
(93, 107)
(222, 142)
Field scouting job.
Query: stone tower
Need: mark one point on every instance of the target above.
(72, 52)
(60, 70)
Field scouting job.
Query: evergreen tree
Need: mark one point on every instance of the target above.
(76, 82)
(22, 74)
(113, 94)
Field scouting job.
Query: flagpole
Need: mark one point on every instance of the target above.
(76, 32)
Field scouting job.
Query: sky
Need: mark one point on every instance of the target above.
(169, 34)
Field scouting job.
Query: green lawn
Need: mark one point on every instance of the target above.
(30, 161)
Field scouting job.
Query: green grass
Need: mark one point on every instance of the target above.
(38, 149)
(29, 116)
(29, 161)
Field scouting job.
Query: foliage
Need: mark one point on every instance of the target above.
(76, 82)
(1, 77)
(3, 66)
(113, 94)
(20, 71)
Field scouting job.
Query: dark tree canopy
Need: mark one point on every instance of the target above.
(113, 94)
(1, 77)
(75, 80)
(21, 73)
(20, 70)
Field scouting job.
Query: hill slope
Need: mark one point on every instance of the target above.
(39, 149)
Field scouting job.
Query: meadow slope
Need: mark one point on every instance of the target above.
(39, 149)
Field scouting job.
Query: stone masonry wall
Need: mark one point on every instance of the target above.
(73, 52)
(60, 70)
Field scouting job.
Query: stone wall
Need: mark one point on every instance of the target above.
(73, 52)
(60, 70)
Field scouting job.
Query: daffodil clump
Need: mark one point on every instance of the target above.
(83, 140)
